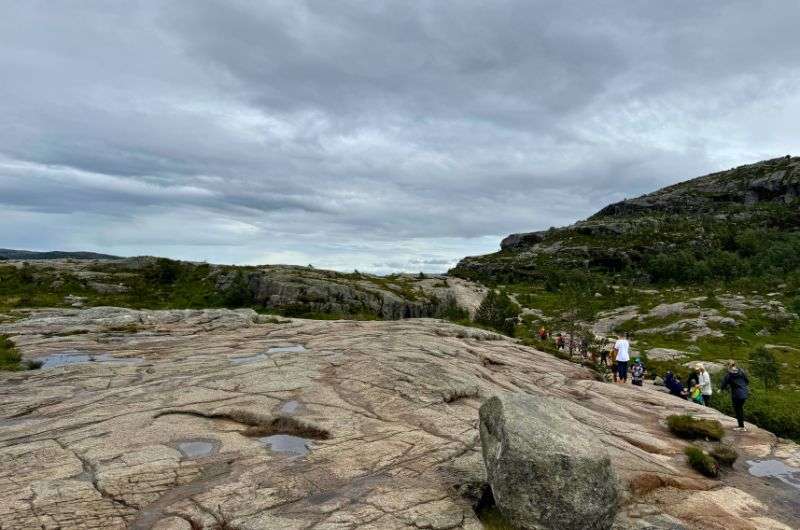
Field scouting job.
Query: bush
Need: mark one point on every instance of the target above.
(9, 356)
(452, 311)
(499, 312)
(163, 271)
(764, 366)
(725, 455)
(691, 428)
(702, 462)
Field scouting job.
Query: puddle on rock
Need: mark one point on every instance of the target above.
(14, 422)
(776, 469)
(65, 358)
(248, 359)
(295, 348)
(290, 407)
(284, 443)
(197, 447)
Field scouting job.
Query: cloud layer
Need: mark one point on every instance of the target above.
(372, 135)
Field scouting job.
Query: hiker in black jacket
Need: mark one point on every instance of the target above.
(737, 380)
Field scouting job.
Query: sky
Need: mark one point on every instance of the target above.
(378, 136)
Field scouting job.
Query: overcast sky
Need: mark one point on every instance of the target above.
(372, 135)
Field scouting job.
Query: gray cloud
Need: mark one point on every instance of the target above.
(378, 136)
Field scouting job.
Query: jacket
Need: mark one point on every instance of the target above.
(737, 381)
(705, 383)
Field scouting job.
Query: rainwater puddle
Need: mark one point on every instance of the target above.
(13, 422)
(64, 358)
(256, 357)
(284, 443)
(295, 348)
(776, 469)
(290, 407)
(248, 359)
(197, 447)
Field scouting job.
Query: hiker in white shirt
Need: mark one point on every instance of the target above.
(704, 382)
(622, 350)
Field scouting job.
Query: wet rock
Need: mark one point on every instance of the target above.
(97, 444)
(545, 472)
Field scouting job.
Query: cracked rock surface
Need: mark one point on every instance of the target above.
(154, 432)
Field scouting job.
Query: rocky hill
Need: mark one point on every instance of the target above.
(719, 221)
(157, 283)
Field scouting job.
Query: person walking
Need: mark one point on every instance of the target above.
(622, 351)
(736, 379)
(704, 380)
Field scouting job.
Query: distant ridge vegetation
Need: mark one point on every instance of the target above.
(8, 253)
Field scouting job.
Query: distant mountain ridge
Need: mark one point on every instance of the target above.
(7, 253)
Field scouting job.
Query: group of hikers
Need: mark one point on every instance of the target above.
(698, 386)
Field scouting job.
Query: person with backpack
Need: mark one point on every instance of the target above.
(736, 379)
(622, 350)
(637, 372)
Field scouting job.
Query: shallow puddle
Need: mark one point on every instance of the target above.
(248, 359)
(295, 348)
(65, 358)
(284, 443)
(776, 469)
(197, 447)
(290, 407)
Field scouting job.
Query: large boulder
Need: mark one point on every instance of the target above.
(546, 472)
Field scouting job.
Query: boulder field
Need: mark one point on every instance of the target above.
(192, 419)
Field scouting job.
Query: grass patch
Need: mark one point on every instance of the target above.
(454, 394)
(10, 357)
(725, 455)
(702, 462)
(259, 425)
(691, 428)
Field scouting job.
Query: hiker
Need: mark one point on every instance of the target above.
(704, 381)
(604, 355)
(738, 382)
(584, 347)
(621, 349)
(560, 341)
(542, 333)
(637, 372)
(674, 385)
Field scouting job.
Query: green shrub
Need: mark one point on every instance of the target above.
(691, 428)
(702, 462)
(9, 356)
(725, 455)
(163, 271)
(765, 367)
(499, 312)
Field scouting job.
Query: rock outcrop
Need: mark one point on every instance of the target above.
(173, 419)
(546, 470)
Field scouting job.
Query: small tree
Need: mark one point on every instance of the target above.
(498, 311)
(765, 367)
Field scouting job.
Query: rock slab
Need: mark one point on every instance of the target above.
(545, 471)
